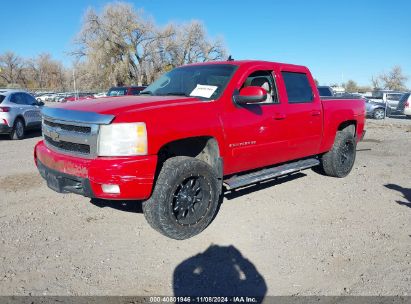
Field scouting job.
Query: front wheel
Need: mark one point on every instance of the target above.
(339, 161)
(379, 114)
(185, 198)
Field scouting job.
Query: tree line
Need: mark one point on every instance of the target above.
(122, 46)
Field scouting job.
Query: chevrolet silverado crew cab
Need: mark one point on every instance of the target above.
(195, 130)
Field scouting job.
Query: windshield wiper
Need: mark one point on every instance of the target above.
(177, 94)
(146, 92)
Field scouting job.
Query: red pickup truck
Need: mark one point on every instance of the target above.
(195, 130)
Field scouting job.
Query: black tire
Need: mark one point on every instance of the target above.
(171, 209)
(18, 129)
(378, 114)
(339, 161)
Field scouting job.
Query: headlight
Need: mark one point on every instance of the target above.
(122, 139)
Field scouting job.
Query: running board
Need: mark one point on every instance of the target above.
(264, 174)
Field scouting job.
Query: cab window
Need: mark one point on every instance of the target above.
(265, 80)
(298, 87)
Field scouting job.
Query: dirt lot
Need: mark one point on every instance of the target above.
(303, 235)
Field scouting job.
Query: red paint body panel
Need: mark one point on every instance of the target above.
(248, 137)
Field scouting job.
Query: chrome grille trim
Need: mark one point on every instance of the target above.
(53, 133)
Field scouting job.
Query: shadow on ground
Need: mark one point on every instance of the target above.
(218, 271)
(406, 192)
(136, 206)
(28, 134)
(127, 206)
(261, 186)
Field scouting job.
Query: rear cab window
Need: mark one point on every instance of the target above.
(298, 87)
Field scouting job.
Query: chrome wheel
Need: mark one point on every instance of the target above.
(19, 129)
(379, 114)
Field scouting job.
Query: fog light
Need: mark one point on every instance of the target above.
(113, 189)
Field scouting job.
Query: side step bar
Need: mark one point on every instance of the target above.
(269, 173)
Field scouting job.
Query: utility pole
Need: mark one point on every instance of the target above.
(74, 83)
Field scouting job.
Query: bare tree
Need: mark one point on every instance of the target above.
(11, 69)
(351, 86)
(393, 80)
(46, 73)
(123, 46)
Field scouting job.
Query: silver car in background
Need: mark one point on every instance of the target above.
(19, 111)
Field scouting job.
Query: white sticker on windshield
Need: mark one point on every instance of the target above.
(203, 90)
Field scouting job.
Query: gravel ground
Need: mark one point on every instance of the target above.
(302, 235)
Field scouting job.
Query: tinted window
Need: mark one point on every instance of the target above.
(297, 86)
(29, 100)
(135, 91)
(117, 92)
(17, 98)
(2, 98)
(325, 92)
(394, 96)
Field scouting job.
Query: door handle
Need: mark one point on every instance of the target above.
(279, 116)
(316, 113)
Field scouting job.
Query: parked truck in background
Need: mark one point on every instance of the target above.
(195, 130)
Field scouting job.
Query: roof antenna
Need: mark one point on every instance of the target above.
(230, 58)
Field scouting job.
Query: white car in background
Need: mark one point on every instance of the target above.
(99, 95)
(19, 111)
(404, 105)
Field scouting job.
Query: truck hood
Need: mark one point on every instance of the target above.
(117, 105)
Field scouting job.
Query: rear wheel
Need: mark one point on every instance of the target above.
(18, 129)
(379, 114)
(185, 198)
(339, 161)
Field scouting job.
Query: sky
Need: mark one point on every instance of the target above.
(337, 40)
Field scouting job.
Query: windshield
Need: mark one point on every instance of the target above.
(204, 81)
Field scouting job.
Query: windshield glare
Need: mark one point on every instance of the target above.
(204, 81)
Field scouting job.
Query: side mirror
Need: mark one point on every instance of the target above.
(40, 103)
(250, 94)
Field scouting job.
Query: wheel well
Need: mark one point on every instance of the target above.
(348, 126)
(203, 148)
(19, 117)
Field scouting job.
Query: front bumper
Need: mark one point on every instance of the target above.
(66, 173)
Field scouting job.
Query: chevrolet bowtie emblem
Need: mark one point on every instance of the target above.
(54, 136)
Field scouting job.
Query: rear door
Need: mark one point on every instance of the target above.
(303, 112)
(32, 112)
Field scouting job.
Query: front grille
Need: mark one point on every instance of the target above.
(72, 138)
(80, 129)
(68, 146)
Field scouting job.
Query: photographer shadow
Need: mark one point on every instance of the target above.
(218, 271)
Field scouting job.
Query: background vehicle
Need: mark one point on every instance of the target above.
(78, 97)
(19, 111)
(404, 105)
(325, 91)
(375, 110)
(121, 91)
(194, 129)
(387, 96)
